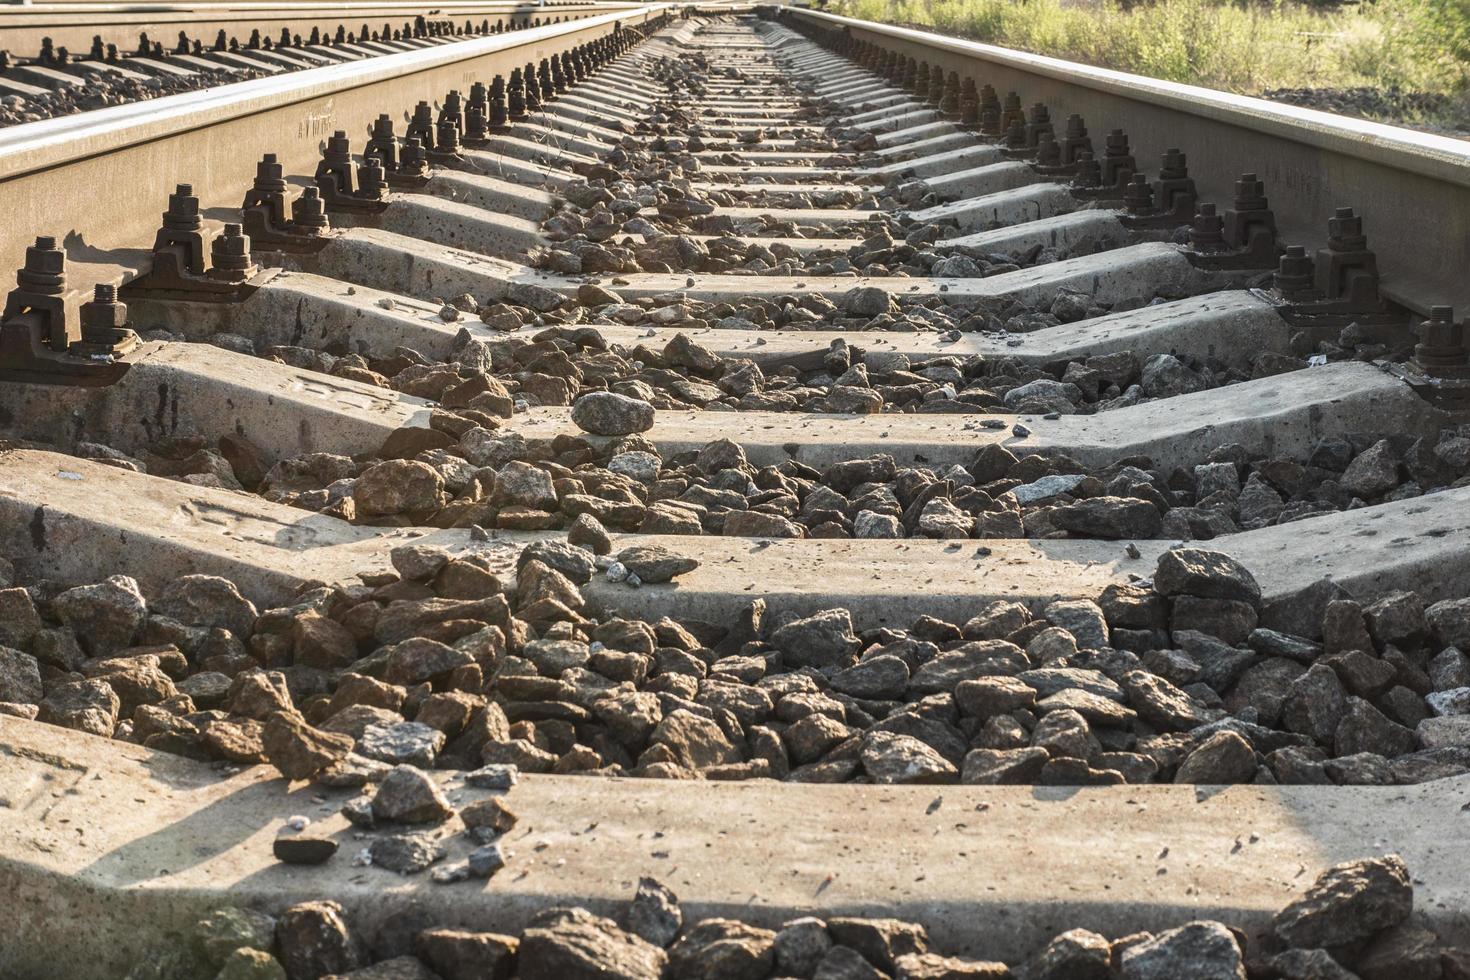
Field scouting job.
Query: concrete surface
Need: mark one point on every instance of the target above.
(57, 521)
(383, 260)
(110, 853)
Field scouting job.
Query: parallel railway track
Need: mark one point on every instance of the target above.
(1100, 526)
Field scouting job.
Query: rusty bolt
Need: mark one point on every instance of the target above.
(270, 175)
(183, 209)
(229, 254)
(1089, 171)
(1207, 234)
(104, 312)
(1345, 231)
(1175, 165)
(44, 258)
(309, 210)
(1250, 193)
(1296, 272)
(1138, 196)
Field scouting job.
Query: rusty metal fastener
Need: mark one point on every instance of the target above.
(1295, 274)
(1088, 174)
(1441, 350)
(1207, 233)
(38, 346)
(1074, 141)
(1138, 196)
(533, 89)
(421, 123)
(1038, 123)
(383, 143)
(1347, 269)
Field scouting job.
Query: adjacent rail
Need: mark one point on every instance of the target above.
(1412, 188)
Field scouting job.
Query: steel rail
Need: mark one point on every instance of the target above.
(1412, 188)
(99, 180)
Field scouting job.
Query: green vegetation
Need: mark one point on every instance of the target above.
(1400, 48)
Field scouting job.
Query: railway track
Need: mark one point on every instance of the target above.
(59, 59)
(813, 493)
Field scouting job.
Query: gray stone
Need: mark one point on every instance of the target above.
(1449, 622)
(1348, 902)
(722, 949)
(1198, 950)
(969, 661)
(306, 848)
(987, 696)
(298, 750)
(418, 562)
(575, 563)
(823, 639)
(208, 601)
(456, 954)
(1006, 767)
(106, 616)
(485, 860)
(655, 564)
(401, 743)
(800, 945)
(227, 929)
(1444, 733)
(407, 795)
(881, 678)
(845, 963)
(1366, 729)
(490, 816)
(654, 914)
(1077, 954)
(1162, 704)
(880, 941)
(606, 413)
(521, 483)
(892, 758)
(1309, 964)
(1047, 681)
(19, 620)
(693, 742)
(1046, 489)
(1223, 759)
(1455, 701)
(398, 486)
(1230, 620)
(1114, 518)
(250, 964)
(88, 706)
(571, 944)
(1083, 619)
(1165, 376)
(406, 854)
(313, 940)
(542, 299)
(1372, 472)
(1096, 709)
(20, 677)
(865, 301)
(1315, 704)
(1206, 574)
